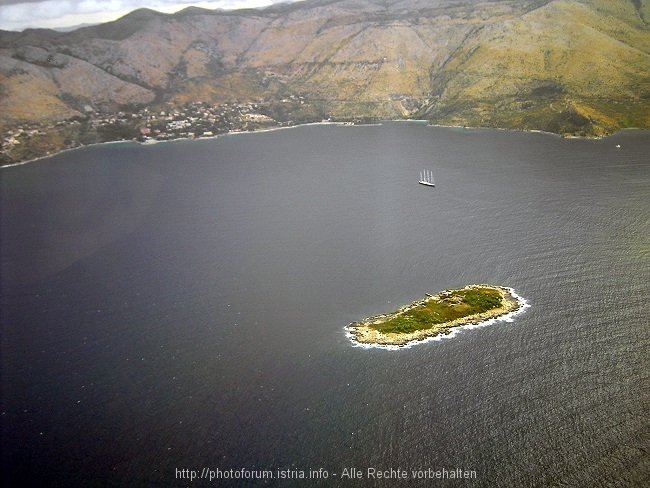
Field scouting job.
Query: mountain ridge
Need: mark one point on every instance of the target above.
(573, 67)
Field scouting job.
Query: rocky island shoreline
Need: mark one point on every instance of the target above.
(437, 316)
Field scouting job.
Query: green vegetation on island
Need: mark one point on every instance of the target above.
(453, 304)
(436, 315)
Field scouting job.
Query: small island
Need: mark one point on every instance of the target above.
(437, 315)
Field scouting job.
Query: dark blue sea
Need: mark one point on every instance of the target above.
(174, 313)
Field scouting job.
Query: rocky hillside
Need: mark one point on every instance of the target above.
(566, 66)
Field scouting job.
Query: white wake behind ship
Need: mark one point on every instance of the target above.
(426, 178)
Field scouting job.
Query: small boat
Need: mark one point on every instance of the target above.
(426, 178)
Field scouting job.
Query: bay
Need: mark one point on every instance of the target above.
(182, 306)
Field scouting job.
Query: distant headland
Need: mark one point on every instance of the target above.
(437, 315)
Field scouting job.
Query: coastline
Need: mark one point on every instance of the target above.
(153, 142)
(324, 122)
(70, 149)
(363, 334)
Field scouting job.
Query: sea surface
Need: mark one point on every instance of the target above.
(178, 310)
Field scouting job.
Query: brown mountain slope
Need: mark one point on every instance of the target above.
(568, 66)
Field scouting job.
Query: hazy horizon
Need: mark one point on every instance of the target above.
(67, 15)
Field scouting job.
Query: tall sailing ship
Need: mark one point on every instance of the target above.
(426, 178)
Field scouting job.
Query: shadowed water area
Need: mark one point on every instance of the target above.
(182, 306)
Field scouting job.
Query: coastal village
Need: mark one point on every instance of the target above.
(146, 125)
